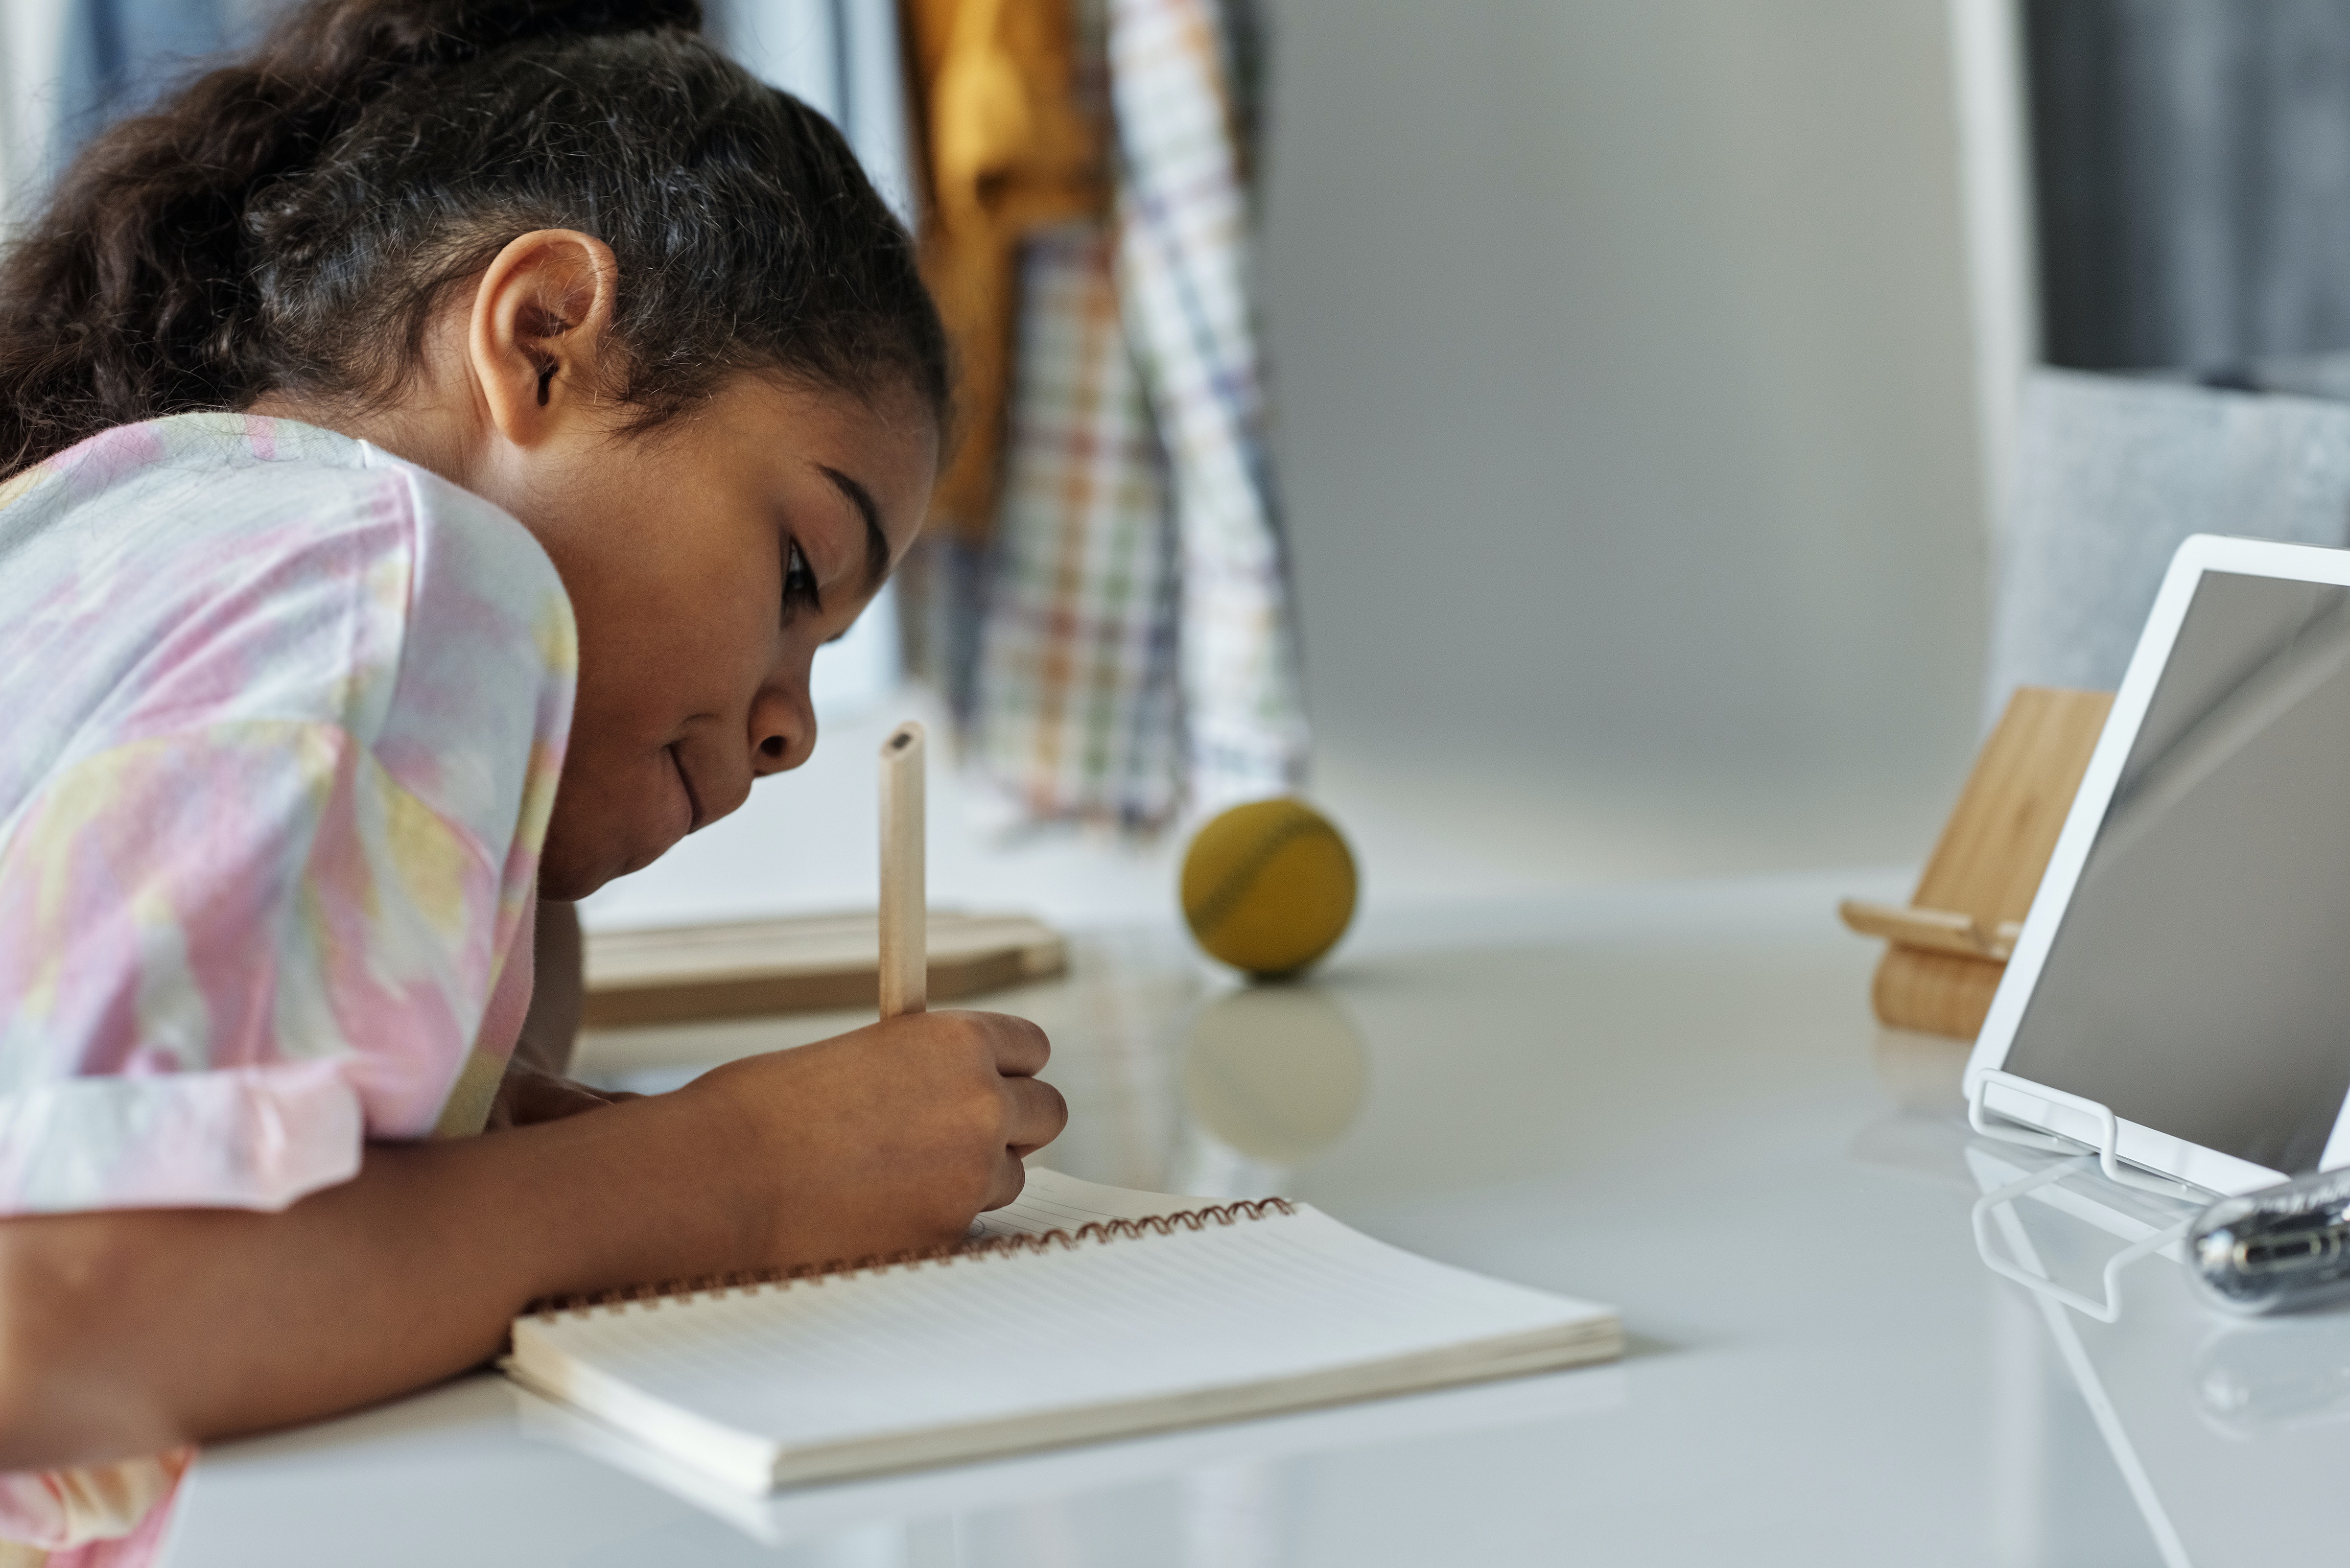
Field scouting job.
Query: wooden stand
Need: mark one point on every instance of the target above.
(1951, 946)
(687, 975)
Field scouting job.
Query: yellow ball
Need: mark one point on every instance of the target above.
(1269, 886)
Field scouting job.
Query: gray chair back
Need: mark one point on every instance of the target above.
(2110, 474)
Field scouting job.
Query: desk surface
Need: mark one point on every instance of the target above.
(1673, 1102)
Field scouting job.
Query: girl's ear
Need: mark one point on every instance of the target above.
(541, 324)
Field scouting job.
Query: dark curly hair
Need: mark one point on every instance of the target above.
(292, 222)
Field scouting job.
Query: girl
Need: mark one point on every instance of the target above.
(439, 444)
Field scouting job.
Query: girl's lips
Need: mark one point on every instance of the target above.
(685, 782)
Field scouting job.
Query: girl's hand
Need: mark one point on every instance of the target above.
(893, 1136)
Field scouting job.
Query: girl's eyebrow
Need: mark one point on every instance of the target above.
(877, 543)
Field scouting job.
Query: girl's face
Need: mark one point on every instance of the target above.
(706, 561)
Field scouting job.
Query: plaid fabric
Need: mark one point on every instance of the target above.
(1076, 710)
(1137, 656)
(1183, 275)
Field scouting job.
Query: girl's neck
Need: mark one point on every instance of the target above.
(433, 423)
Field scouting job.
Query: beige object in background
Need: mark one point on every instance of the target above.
(1951, 946)
(687, 975)
(1010, 143)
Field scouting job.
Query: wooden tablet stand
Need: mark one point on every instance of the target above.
(1950, 945)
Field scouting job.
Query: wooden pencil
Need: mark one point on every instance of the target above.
(905, 946)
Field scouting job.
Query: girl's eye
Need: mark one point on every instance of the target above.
(799, 584)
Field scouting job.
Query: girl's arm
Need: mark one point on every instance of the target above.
(132, 1332)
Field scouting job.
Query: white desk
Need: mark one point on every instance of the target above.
(1674, 1103)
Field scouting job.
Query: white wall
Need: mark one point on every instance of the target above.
(1628, 420)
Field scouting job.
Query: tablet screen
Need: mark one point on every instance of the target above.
(2200, 982)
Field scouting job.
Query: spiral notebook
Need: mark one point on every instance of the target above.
(1081, 1312)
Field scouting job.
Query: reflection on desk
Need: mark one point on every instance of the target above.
(2233, 1435)
(1272, 1075)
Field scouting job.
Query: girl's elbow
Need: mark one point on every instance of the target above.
(60, 1388)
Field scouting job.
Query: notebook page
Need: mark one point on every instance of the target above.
(1052, 1201)
(979, 1340)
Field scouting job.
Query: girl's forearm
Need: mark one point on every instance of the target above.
(132, 1332)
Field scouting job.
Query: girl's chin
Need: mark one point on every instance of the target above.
(565, 877)
(566, 881)
(600, 831)
(581, 856)
(573, 866)
(683, 809)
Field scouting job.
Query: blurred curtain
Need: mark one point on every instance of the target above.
(115, 50)
(842, 58)
(1110, 603)
(2192, 166)
(70, 67)
(1010, 97)
(118, 54)
(16, 148)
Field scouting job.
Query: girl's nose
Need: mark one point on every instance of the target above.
(783, 729)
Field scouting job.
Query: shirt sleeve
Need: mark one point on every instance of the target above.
(227, 956)
(255, 912)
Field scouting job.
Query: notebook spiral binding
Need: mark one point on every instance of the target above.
(1097, 1232)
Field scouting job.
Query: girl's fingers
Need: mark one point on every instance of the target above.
(1021, 1048)
(1010, 1178)
(1037, 1114)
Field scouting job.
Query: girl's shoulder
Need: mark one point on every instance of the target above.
(214, 568)
(156, 498)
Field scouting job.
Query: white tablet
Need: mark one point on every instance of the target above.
(2187, 960)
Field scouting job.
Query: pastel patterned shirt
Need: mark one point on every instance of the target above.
(285, 719)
